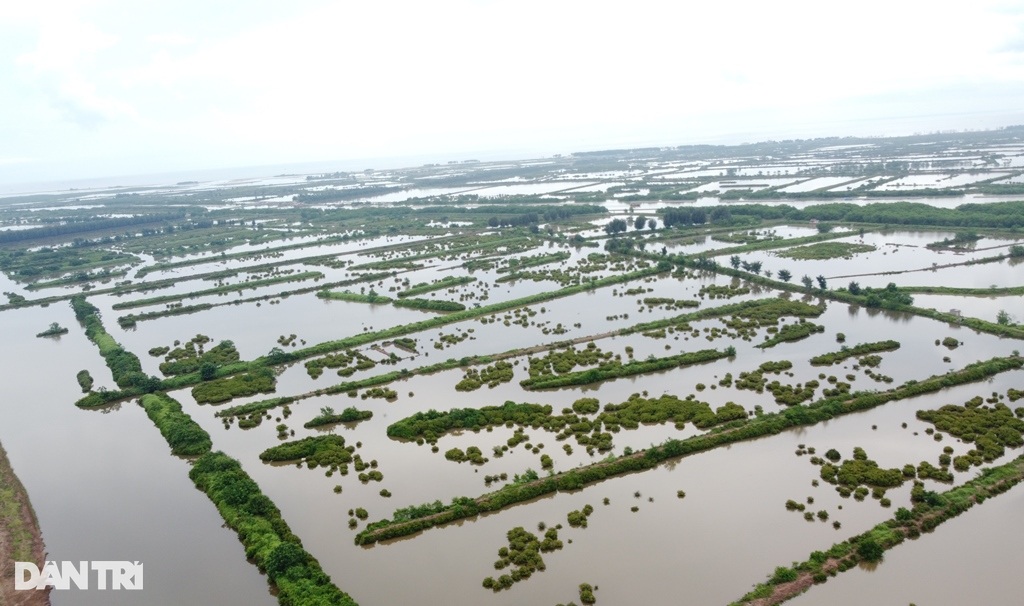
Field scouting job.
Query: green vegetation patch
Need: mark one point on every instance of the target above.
(670, 303)
(430, 304)
(614, 369)
(636, 410)
(184, 435)
(372, 297)
(534, 261)
(432, 424)
(787, 394)
(55, 330)
(323, 451)
(124, 365)
(560, 362)
(191, 357)
(791, 332)
(261, 380)
(857, 350)
(32, 265)
(327, 416)
(491, 376)
(522, 557)
(348, 362)
(447, 282)
(991, 428)
(268, 541)
(85, 380)
(860, 470)
(727, 291)
(827, 250)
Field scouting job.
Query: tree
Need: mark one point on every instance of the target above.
(869, 550)
(207, 371)
(282, 557)
(640, 222)
(821, 282)
(1003, 318)
(720, 214)
(652, 224)
(853, 288)
(734, 261)
(784, 275)
(808, 282)
(616, 226)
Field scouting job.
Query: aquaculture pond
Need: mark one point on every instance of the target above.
(519, 398)
(103, 483)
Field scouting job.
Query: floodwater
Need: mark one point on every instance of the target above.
(970, 559)
(710, 529)
(902, 258)
(120, 495)
(939, 201)
(104, 484)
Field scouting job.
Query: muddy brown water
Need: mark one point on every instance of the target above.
(105, 486)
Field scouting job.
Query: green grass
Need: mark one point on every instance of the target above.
(13, 497)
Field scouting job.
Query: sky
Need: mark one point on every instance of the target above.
(108, 88)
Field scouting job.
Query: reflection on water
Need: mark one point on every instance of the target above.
(103, 484)
(970, 559)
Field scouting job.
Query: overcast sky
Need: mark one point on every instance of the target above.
(104, 88)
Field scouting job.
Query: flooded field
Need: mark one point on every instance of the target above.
(402, 385)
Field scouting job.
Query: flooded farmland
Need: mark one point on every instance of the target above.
(369, 404)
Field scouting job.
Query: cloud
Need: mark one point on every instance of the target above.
(64, 44)
(8, 160)
(170, 39)
(64, 72)
(79, 101)
(262, 81)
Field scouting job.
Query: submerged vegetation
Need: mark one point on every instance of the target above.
(516, 290)
(738, 431)
(327, 416)
(927, 514)
(827, 250)
(246, 384)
